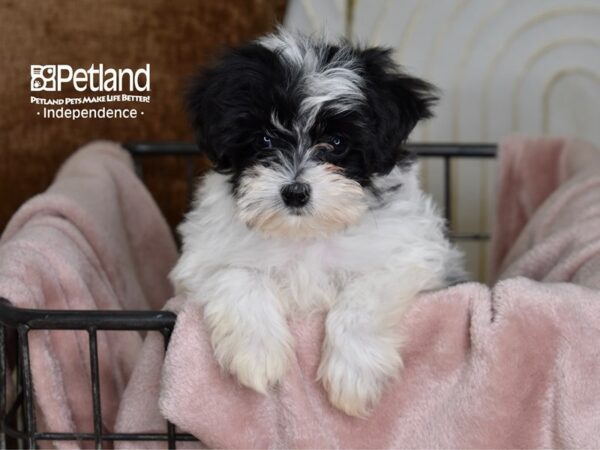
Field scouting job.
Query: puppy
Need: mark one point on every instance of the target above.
(313, 205)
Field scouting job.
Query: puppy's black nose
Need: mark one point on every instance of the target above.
(295, 194)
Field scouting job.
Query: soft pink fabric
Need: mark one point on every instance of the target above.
(516, 366)
(531, 169)
(94, 240)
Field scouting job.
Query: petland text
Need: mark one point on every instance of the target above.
(52, 78)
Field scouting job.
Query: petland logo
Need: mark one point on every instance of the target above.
(102, 85)
(51, 78)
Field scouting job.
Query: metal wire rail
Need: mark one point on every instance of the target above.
(18, 423)
(26, 320)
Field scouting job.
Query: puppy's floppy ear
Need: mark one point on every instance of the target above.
(226, 103)
(205, 114)
(397, 100)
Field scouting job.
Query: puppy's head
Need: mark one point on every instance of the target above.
(303, 127)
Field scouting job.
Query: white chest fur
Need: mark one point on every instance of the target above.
(400, 233)
(365, 276)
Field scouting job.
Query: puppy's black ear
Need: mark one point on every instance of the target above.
(201, 105)
(397, 100)
(224, 103)
(195, 102)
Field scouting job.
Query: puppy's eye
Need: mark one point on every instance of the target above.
(339, 144)
(264, 141)
(267, 142)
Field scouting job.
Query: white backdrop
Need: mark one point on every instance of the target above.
(504, 66)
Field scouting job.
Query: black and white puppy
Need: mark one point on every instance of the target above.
(313, 204)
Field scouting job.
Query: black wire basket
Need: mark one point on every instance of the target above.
(17, 420)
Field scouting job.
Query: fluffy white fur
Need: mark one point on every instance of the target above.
(360, 257)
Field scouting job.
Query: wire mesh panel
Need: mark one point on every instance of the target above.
(18, 420)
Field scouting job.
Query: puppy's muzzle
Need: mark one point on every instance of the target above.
(295, 194)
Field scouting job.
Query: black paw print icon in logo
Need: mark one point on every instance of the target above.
(43, 78)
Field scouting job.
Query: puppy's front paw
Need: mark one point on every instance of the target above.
(257, 361)
(260, 367)
(355, 378)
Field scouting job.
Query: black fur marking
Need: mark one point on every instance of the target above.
(232, 105)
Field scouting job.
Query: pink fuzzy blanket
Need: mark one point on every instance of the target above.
(517, 365)
(94, 240)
